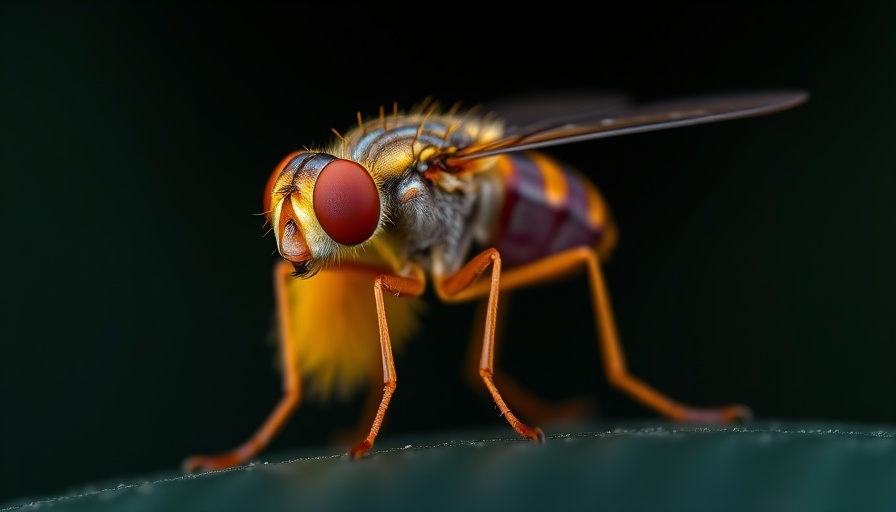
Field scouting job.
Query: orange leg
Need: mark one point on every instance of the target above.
(454, 288)
(567, 263)
(396, 285)
(525, 403)
(292, 393)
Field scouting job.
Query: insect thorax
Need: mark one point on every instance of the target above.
(432, 213)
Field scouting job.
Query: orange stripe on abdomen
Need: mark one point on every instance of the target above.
(548, 207)
(553, 179)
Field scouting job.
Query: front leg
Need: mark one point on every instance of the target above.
(398, 286)
(292, 392)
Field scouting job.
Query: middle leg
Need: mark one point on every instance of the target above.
(452, 288)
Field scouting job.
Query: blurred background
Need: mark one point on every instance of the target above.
(755, 262)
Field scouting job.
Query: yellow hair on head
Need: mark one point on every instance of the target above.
(336, 333)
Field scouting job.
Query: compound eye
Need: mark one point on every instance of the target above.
(346, 202)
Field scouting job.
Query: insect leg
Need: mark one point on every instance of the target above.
(614, 359)
(292, 392)
(568, 262)
(398, 286)
(525, 403)
(453, 288)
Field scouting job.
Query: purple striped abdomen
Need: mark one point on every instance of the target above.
(547, 208)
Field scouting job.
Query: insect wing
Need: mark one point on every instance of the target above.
(527, 112)
(610, 120)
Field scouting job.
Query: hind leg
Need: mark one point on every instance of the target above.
(570, 262)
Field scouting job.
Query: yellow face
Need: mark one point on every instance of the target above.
(321, 207)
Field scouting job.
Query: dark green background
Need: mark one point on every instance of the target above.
(755, 263)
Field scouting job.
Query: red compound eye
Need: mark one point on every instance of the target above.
(346, 202)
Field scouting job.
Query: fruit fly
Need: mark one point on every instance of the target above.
(466, 202)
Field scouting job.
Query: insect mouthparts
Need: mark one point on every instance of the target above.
(303, 269)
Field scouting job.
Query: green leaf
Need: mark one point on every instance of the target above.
(619, 466)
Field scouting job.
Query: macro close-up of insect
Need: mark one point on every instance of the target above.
(465, 203)
(281, 256)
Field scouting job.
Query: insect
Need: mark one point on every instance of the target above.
(465, 202)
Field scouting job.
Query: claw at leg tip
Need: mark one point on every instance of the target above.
(359, 450)
(191, 465)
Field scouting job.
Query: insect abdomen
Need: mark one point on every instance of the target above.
(548, 207)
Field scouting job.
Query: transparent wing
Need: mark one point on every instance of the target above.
(525, 112)
(614, 119)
